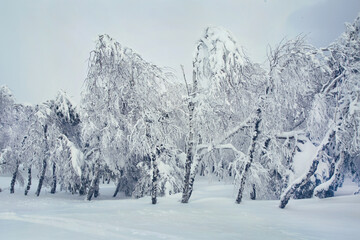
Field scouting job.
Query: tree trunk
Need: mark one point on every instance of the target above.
(253, 193)
(306, 177)
(93, 186)
(327, 188)
(13, 179)
(289, 193)
(43, 171)
(189, 156)
(84, 184)
(53, 187)
(29, 182)
(193, 172)
(97, 189)
(251, 156)
(190, 146)
(202, 170)
(41, 179)
(155, 176)
(118, 185)
(191, 185)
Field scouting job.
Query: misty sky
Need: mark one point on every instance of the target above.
(44, 45)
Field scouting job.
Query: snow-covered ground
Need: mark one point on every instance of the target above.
(211, 214)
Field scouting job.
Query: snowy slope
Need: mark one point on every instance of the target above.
(211, 214)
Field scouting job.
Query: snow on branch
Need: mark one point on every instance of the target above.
(299, 136)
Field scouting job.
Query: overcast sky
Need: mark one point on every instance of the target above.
(44, 45)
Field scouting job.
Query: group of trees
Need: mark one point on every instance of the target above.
(235, 120)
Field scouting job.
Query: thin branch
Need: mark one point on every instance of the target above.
(183, 71)
(237, 129)
(328, 87)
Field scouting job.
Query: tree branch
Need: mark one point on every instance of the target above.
(186, 84)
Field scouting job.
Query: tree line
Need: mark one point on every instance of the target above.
(150, 134)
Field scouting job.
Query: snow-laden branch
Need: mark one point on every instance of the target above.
(186, 84)
(299, 136)
(326, 89)
(237, 129)
(319, 190)
(303, 179)
(220, 144)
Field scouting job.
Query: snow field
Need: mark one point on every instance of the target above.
(211, 214)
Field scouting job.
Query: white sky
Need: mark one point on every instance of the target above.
(44, 45)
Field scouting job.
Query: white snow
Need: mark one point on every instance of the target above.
(354, 106)
(348, 188)
(211, 214)
(303, 159)
(77, 157)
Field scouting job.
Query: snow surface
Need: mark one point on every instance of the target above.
(211, 214)
(303, 159)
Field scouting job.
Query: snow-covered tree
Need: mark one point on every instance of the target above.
(7, 103)
(337, 104)
(296, 72)
(344, 86)
(43, 133)
(124, 114)
(221, 102)
(260, 127)
(68, 160)
(49, 123)
(13, 134)
(66, 156)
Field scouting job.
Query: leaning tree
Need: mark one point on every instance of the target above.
(336, 109)
(126, 116)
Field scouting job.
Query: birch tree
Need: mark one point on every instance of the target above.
(219, 100)
(123, 112)
(339, 97)
(14, 120)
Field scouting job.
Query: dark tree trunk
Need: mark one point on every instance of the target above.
(13, 179)
(301, 182)
(192, 176)
(202, 170)
(186, 188)
(84, 184)
(43, 171)
(193, 172)
(118, 185)
(29, 182)
(253, 193)
(251, 156)
(53, 186)
(97, 189)
(93, 186)
(155, 176)
(42, 177)
(191, 184)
